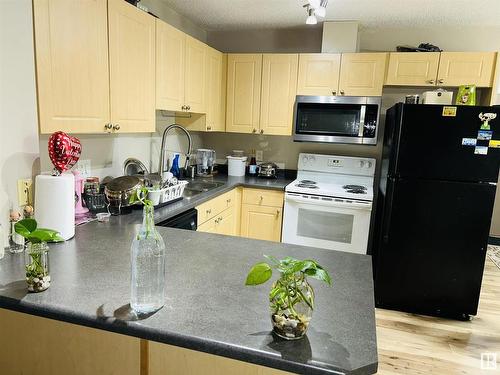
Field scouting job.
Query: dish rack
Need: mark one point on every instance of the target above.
(172, 193)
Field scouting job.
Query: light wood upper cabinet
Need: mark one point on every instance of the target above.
(132, 67)
(362, 74)
(244, 73)
(318, 74)
(194, 84)
(71, 40)
(279, 86)
(170, 66)
(413, 69)
(466, 68)
(216, 63)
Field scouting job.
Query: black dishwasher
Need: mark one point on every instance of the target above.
(186, 220)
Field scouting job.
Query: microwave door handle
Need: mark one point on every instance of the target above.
(328, 203)
(362, 115)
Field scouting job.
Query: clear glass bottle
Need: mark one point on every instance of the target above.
(148, 267)
(291, 303)
(37, 266)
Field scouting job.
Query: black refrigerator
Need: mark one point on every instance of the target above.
(439, 172)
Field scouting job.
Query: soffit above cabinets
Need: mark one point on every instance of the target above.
(253, 14)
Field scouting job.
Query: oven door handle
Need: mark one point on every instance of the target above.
(329, 203)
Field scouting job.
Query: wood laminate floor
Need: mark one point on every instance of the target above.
(414, 344)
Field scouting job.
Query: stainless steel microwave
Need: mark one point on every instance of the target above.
(336, 119)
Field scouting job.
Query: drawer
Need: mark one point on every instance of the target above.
(215, 206)
(262, 197)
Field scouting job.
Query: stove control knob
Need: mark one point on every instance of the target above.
(312, 159)
(369, 164)
(361, 163)
(304, 159)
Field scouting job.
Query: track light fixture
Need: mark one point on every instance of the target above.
(315, 8)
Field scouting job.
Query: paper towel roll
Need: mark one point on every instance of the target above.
(55, 203)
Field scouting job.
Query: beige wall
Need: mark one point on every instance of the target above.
(18, 115)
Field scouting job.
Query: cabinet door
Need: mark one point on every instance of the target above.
(194, 89)
(466, 68)
(318, 74)
(279, 86)
(215, 89)
(132, 67)
(227, 223)
(362, 74)
(207, 227)
(71, 39)
(243, 92)
(412, 69)
(260, 222)
(170, 53)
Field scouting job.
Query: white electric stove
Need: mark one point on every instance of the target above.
(329, 204)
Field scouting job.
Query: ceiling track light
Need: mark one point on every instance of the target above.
(321, 10)
(311, 18)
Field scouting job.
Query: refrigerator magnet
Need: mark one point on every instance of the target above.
(469, 141)
(481, 150)
(494, 143)
(484, 135)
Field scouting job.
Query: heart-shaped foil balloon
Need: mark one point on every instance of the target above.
(64, 151)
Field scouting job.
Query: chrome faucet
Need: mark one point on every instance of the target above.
(162, 151)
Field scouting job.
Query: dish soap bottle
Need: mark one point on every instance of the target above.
(148, 266)
(175, 167)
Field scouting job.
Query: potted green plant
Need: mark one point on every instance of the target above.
(37, 253)
(291, 299)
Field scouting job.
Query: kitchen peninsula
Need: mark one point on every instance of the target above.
(211, 323)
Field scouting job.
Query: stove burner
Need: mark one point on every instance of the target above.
(354, 187)
(308, 182)
(307, 186)
(356, 191)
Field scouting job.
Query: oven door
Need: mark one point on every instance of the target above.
(327, 223)
(336, 119)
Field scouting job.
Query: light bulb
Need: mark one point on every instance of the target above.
(314, 3)
(320, 12)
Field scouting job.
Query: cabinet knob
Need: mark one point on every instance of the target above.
(188, 107)
(261, 198)
(108, 127)
(254, 131)
(209, 212)
(441, 80)
(229, 200)
(431, 81)
(334, 93)
(341, 92)
(116, 127)
(209, 128)
(261, 131)
(277, 213)
(183, 107)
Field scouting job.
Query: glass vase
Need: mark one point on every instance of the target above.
(37, 266)
(291, 303)
(148, 267)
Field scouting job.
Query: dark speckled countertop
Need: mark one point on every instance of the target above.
(208, 307)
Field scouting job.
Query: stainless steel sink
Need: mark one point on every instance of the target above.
(197, 187)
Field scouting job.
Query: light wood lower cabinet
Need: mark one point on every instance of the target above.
(172, 360)
(34, 345)
(261, 222)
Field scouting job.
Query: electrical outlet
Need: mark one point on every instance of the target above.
(83, 166)
(259, 155)
(24, 192)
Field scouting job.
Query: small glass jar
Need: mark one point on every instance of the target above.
(291, 302)
(37, 266)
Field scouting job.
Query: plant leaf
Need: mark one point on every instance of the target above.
(259, 274)
(25, 227)
(319, 274)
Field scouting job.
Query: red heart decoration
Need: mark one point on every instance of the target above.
(64, 151)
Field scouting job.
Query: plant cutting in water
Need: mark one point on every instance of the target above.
(140, 196)
(37, 270)
(291, 298)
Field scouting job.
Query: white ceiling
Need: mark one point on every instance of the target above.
(253, 14)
